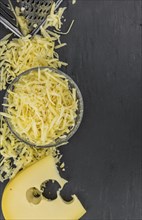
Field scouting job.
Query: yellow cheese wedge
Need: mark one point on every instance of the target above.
(16, 206)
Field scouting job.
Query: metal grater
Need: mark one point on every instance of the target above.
(34, 11)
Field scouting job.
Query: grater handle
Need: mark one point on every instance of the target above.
(8, 25)
(38, 28)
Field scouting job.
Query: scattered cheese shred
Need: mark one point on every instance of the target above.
(15, 155)
(41, 107)
(54, 19)
(22, 22)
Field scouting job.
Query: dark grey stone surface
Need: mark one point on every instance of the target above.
(104, 158)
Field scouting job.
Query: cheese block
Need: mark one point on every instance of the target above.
(17, 204)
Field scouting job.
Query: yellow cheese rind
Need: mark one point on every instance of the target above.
(14, 202)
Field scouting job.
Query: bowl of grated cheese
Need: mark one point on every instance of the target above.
(43, 107)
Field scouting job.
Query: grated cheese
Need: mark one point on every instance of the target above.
(21, 21)
(16, 56)
(42, 108)
(15, 155)
(64, 33)
(24, 53)
(21, 54)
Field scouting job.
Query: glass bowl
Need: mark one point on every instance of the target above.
(79, 112)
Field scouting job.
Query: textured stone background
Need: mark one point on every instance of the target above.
(103, 159)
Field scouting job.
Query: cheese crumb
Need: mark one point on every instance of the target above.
(73, 2)
(62, 165)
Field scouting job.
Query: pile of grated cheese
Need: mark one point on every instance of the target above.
(42, 108)
(15, 155)
(16, 56)
(27, 52)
